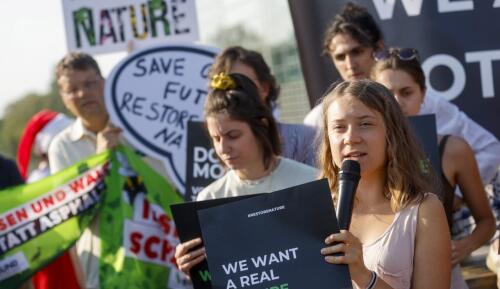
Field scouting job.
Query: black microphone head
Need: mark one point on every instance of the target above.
(350, 170)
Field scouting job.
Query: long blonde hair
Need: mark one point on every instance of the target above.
(405, 180)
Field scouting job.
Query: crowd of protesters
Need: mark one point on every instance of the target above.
(361, 117)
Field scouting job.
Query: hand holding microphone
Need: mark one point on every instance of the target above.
(349, 176)
(337, 252)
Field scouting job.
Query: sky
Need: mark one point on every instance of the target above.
(22, 49)
(33, 38)
(33, 41)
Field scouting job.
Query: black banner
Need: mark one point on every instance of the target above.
(202, 167)
(457, 41)
(273, 240)
(424, 128)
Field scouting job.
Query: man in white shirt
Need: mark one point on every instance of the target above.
(350, 42)
(81, 87)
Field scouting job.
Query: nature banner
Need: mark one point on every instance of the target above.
(138, 235)
(39, 221)
(96, 26)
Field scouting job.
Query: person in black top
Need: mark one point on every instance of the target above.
(9, 174)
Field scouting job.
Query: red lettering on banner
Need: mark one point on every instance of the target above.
(135, 238)
(22, 215)
(90, 180)
(152, 247)
(100, 174)
(37, 207)
(164, 222)
(148, 247)
(11, 220)
(166, 250)
(3, 226)
(145, 211)
(77, 186)
(48, 201)
(158, 217)
(60, 195)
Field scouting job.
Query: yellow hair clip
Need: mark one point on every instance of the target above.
(222, 81)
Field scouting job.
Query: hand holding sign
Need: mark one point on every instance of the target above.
(108, 138)
(153, 93)
(187, 256)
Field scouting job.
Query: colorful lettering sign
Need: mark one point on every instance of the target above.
(95, 26)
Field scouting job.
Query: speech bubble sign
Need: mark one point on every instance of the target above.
(153, 93)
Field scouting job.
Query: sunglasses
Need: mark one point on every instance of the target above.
(404, 54)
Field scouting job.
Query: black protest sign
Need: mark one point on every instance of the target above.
(273, 240)
(188, 227)
(424, 128)
(459, 57)
(203, 167)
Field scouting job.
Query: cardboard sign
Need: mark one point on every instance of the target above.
(153, 94)
(136, 227)
(273, 240)
(95, 26)
(203, 166)
(188, 227)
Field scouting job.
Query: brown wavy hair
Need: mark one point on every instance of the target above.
(242, 103)
(405, 182)
(354, 20)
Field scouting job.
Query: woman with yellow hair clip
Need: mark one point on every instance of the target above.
(246, 139)
(297, 139)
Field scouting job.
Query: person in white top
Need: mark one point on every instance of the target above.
(81, 87)
(350, 42)
(397, 228)
(246, 140)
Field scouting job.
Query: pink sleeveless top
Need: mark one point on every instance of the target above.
(391, 254)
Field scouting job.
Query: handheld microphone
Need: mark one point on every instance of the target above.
(348, 182)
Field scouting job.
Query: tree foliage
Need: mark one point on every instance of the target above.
(19, 112)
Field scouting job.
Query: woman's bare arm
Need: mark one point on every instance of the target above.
(459, 160)
(432, 266)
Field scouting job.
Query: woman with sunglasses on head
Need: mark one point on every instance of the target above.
(398, 237)
(246, 140)
(400, 71)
